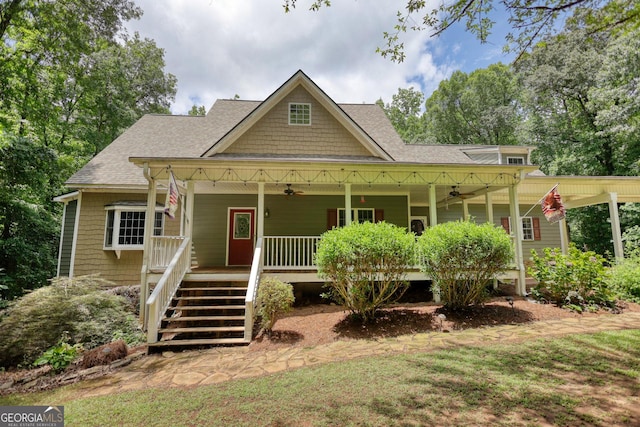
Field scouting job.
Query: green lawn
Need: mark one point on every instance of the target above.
(579, 380)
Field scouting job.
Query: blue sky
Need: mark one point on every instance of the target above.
(222, 48)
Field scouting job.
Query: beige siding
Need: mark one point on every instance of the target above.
(273, 134)
(91, 258)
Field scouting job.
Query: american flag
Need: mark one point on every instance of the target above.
(171, 202)
(552, 206)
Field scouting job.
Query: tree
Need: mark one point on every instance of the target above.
(530, 21)
(406, 116)
(482, 107)
(197, 110)
(65, 92)
(582, 113)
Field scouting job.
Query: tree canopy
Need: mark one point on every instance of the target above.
(66, 91)
(530, 21)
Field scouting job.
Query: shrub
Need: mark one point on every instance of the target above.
(274, 299)
(60, 355)
(365, 265)
(578, 279)
(624, 278)
(36, 321)
(461, 258)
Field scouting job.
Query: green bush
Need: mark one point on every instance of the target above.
(624, 278)
(60, 355)
(461, 258)
(275, 298)
(578, 279)
(365, 265)
(35, 322)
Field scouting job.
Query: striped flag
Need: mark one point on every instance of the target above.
(171, 202)
(552, 206)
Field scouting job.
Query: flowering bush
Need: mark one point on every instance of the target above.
(578, 279)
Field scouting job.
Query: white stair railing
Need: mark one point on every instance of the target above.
(252, 291)
(163, 248)
(159, 300)
(290, 252)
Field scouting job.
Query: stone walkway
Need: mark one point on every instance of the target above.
(211, 366)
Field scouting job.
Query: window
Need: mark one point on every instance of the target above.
(515, 160)
(527, 228)
(362, 215)
(124, 227)
(530, 227)
(299, 114)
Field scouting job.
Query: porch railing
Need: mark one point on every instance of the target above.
(163, 248)
(160, 298)
(290, 252)
(252, 291)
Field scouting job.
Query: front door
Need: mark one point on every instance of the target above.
(241, 235)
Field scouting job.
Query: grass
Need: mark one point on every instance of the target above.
(576, 380)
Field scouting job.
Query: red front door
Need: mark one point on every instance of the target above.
(241, 236)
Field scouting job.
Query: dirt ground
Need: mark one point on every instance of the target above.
(319, 323)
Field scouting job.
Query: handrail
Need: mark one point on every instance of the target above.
(159, 300)
(163, 248)
(252, 291)
(290, 252)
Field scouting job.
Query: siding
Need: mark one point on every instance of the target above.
(273, 134)
(210, 225)
(289, 216)
(91, 258)
(485, 158)
(66, 245)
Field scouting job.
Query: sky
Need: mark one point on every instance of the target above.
(223, 48)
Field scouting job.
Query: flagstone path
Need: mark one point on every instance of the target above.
(211, 366)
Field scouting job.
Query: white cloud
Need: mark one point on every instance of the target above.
(220, 48)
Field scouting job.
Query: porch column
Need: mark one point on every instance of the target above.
(260, 210)
(488, 206)
(433, 208)
(564, 236)
(347, 204)
(516, 229)
(188, 221)
(465, 210)
(146, 254)
(618, 248)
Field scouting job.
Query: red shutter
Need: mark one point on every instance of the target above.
(378, 215)
(332, 218)
(536, 228)
(505, 224)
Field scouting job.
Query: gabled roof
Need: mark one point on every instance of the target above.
(299, 79)
(194, 137)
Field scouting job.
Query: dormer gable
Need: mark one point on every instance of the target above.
(298, 119)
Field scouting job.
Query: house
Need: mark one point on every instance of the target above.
(260, 181)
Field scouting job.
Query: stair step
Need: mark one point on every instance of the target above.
(208, 307)
(210, 297)
(214, 288)
(200, 318)
(202, 341)
(203, 329)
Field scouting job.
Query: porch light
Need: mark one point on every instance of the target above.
(267, 213)
(362, 200)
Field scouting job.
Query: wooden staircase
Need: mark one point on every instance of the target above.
(204, 313)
